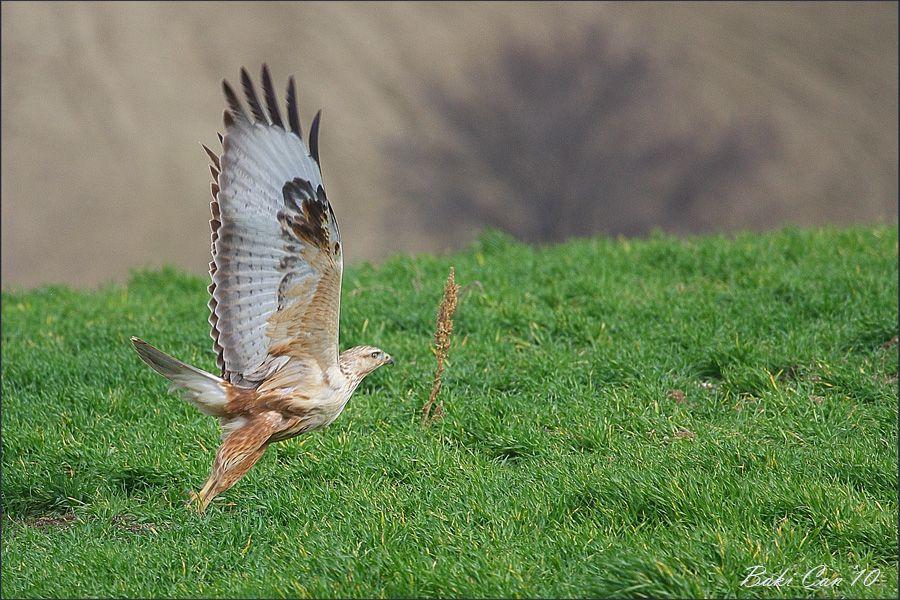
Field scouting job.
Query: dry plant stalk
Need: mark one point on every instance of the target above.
(432, 412)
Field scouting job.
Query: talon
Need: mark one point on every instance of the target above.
(194, 502)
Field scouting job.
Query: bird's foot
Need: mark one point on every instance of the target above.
(195, 502)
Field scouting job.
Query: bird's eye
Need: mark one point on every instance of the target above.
(375, 354)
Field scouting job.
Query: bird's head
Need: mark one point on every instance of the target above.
(359, 361)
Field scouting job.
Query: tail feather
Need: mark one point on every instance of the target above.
(204, 390)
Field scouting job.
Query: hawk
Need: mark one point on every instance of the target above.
(277, 260)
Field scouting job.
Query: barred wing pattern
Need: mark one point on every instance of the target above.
(276, 248)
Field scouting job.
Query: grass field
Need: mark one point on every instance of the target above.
(637, 418)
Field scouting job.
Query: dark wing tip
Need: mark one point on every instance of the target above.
(314, 138)
(233, 103)
(293, 113)
(252, 99)
(271, 100)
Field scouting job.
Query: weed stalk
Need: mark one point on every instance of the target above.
(431, 412)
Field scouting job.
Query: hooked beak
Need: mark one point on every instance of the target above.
(389, 361)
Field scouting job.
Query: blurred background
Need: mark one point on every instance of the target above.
(440, 119)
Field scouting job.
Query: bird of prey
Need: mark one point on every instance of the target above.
(275, 292)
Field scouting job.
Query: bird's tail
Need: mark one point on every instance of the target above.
(204, 390)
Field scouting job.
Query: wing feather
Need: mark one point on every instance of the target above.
(252, 100)
(233, 103)
(212, 157)
(271, 100)
(277, 252)
(314, 138)
(293, 113)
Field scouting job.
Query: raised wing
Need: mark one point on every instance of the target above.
(276, 247)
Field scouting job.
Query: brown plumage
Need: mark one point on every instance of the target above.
(275, 294)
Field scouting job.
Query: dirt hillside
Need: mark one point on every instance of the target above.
(547, 120)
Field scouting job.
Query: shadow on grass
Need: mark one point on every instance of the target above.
(59, 494)
(49, 499)
(141, 479)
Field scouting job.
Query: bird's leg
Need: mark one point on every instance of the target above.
(237, 454)
(223, 477)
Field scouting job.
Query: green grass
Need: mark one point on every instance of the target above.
(635, 418)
